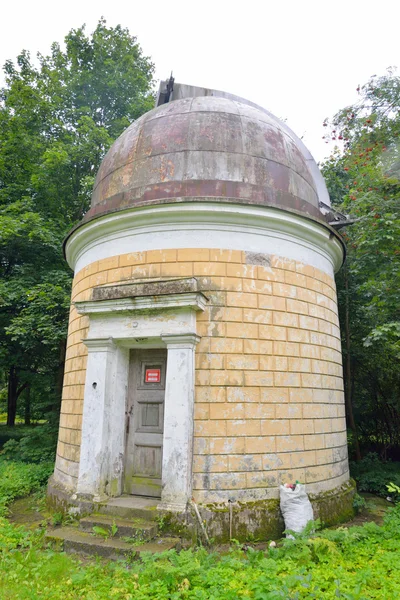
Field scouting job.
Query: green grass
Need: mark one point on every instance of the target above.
(18, 480)
(356, 563)
(359, 563)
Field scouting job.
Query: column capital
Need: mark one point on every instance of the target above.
(99, 344)
(185, 340)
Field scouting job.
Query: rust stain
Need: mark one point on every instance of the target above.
(199, 189)
(261, 164)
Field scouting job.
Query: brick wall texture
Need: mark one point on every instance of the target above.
(269, 404)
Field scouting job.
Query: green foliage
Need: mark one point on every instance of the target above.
(357, 563)
(58, 117)
(12, 433)
(18, 480)
(394, 490)
(104, 533)
(359, 503)
(372, 474)
(364, 181)
(13, 537)
(36, 446)
(62, 518)
(114, 529)
(57, 519)
(162, 522)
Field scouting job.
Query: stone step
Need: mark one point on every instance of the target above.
(72, 540)
(130, 507)
(138, 529)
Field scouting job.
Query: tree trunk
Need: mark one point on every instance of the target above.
(12, 397)
(28, 405)
(348, 371)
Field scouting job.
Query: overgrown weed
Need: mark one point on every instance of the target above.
(18, 480)
(355, 563)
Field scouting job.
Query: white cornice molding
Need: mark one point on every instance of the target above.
(227, 226)
(195, 301)
(186, 340)
(99, 344)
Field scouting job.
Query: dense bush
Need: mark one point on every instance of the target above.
(19, 479)
(12, 433)
(372, 474)
(35, 445)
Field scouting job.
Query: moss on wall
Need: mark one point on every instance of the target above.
(243, 521)
(262, 520)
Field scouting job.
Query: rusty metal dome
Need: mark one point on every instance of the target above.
(209, 149)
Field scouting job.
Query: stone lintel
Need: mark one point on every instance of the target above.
(193, 300)
(184, 340)
(149, 287)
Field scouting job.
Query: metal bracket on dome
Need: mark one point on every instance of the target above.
(165, 91)
(335, 219)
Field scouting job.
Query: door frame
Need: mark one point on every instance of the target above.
(105, 398)
(137, 434)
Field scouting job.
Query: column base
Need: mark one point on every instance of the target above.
(176, 507)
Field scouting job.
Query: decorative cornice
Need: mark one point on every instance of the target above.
(170, 220)
(99, 344)
(186, 340)
(194, 300)
(146, 287)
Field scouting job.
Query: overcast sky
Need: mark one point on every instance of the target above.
(301, 60)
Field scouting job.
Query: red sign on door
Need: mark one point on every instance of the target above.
(152, 376)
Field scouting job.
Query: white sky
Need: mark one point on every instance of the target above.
(301, 60)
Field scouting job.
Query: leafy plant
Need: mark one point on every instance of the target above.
(37, 445)
(57, 519)
(355, 563)
(18, 480)
(114, 529)
(372, 474)
(162, 522)
(395, 490)
(359, 503)
(101, 531)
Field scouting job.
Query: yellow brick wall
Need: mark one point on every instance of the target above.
(269, 390)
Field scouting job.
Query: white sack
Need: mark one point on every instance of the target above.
(296, 507)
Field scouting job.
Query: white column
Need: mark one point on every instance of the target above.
(178, 422)
(116, 422)
(99, 387)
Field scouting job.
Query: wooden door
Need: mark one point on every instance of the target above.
(145, 422)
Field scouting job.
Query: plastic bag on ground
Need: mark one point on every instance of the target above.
(296, 507)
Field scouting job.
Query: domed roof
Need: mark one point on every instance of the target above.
(206, 148)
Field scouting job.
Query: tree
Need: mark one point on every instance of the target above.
(364, 180)
(57, 120)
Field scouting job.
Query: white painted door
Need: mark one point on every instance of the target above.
(145, 422)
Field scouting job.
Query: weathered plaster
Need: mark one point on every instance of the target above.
(103, 428)
(101, 378)
(178, 422)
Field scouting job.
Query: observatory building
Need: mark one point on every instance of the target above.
(204, 358)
